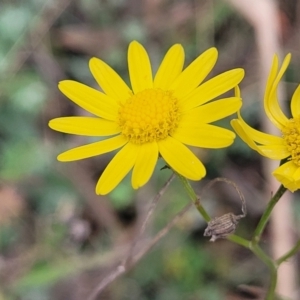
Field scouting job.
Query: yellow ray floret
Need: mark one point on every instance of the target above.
(287, 145)
(155, 117)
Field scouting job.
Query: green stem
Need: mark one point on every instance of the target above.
(273, 282)
(289, 254)
(194, 197)
(272, 267)
(266, 215)
(262, 255)
(239, 240)
(264, 258)
(233, 238)
(251, 245)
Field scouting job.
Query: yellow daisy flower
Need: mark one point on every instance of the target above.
(277, 147)
(154, 117)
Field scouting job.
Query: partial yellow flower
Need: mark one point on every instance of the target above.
(277, 147)
(154, 117)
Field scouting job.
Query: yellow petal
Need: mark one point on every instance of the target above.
(258, 136)
(237, 91)
(272, 76)
(204, 135)
(111, 83)
(295, 103)
(273, 151)
(181, 159)
(93, 149)
(239, 129)
(139, 68)
(145, 163)
(85, 126)
(195, 73)
(117, 169)
(213, 88)
(280, 74)
(213, 111)
(90, 99)
(271, 104)
(285, 174)
(170, 67)
(296, 175)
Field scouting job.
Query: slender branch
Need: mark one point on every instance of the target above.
(251, 245)
(162, 233)
(125, 268)
(271, 264)
(234, 238)
(106, 281)
(150, 211)
(262, 255)
(267, 213)
(239, 240)
(273, 282)
(194, 197)
(132, 259)
(289, 254)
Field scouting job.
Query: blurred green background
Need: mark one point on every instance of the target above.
(58, 240)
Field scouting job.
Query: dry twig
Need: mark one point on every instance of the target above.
(131, 259)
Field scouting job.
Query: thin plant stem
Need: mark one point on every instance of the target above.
(234, 238)
(251, 245)
(263, 256)
(239, 240)
(194, 197)
(149, 213)
(289, 254)
(271, 264)
(273, 282)
(122, 268)
(267, 213)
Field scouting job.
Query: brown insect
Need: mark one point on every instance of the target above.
(221, 227)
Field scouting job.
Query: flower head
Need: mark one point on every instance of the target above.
(277, 147)
(156, 116)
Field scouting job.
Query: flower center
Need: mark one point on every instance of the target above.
(291, 135)
(150, 115)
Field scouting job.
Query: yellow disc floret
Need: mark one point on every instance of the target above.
(291, 135)
(150, 115)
